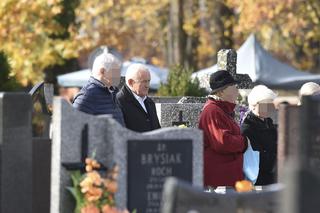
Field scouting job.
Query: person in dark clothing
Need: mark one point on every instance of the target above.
(97, 97)
(262, 132)
(138, 109)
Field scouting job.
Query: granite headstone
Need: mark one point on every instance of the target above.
(180, 197)
(301, 172)
(171, 114)
(76, 135)
(42, 98)
(15, 153)
(144, 159)
(288, 135)
(165, 99)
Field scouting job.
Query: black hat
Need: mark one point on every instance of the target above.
(220, 80)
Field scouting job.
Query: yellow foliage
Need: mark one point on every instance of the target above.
(293, 27)
(140, 28)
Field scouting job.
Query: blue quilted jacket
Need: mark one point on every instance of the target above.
(96, 99)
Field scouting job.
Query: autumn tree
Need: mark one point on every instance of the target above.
(26, 36)
(7, 82)
(66, 18)
(133, 27)
(45, 34)
(289, 28)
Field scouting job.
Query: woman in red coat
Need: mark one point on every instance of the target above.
(223, 143)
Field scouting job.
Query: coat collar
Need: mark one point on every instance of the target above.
(224, 105)
(130, 98)
(101, 85)
(267, 122)
(96, 82)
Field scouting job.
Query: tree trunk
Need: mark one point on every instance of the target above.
(192, 41)
(222, 34)
(176, 35)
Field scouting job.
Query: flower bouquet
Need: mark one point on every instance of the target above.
(93, 193)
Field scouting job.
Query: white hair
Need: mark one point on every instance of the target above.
(133, 71)
(260, 93)
(105, 60)
(309, 88)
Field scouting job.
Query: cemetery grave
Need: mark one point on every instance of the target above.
(144, 160)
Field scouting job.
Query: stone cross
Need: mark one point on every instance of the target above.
(180, 122)
(227, 60)
(180, 197)
(84, 154)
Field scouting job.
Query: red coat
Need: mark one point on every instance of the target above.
(223, 144)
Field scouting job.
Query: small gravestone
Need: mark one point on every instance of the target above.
(42, 98)
(302, 171)
(180, 197)
(15, 153)
(288, 135)
(144, 160)
(227, 60)
(171, 114)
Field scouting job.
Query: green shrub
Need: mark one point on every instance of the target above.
(180, 84)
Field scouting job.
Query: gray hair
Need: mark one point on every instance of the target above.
(309, 88)
(133, 70)
(105, 60)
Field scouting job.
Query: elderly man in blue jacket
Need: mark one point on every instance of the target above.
(97, 97)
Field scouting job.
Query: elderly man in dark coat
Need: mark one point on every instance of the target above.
(138, 109)
(97, 97)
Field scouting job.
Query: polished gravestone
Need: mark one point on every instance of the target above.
(302, 169)
(15, 153)
(154, 160)
(42, 98)
(288, 135)
(181, 197)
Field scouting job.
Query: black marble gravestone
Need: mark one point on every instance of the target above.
(149, 163)
(181, 197)
(302, 171)
(16, 185)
